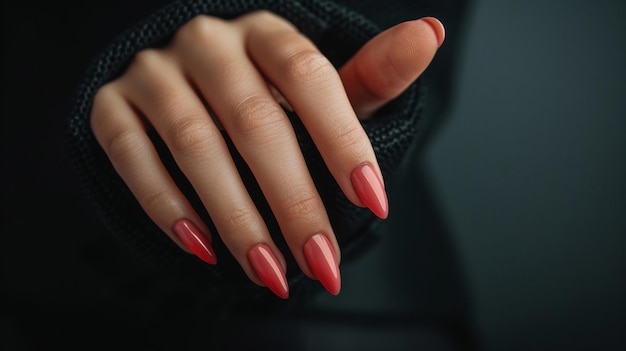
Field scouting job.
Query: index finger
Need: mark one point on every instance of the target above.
(314, 89)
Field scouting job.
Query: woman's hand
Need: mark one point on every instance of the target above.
(228, 75)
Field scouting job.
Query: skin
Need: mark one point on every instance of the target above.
(227, 65)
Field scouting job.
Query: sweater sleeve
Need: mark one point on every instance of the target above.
(338, 32)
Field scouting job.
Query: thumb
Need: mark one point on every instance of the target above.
(387, 64)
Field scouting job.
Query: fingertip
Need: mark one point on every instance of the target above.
(322, 260)
(438, 28)
(269, 269)
(370, 189)
(195, 240)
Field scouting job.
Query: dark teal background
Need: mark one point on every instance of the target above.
(531, 172)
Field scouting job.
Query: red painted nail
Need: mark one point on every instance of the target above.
(370, 189)
(269, 269)
(321, 258)
(195, 241)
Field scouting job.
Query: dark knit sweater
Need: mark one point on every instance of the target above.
(338, 29)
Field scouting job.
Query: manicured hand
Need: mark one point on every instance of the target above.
(226, 75)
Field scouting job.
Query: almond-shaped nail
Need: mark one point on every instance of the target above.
(370, 189)
(269, 270)
(321, 258)
(437, 26)
(195, 241)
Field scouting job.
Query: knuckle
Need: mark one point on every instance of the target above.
(263, 18)
(302, 205)
(375, 85)
(122, 145)
(101, 103)
(189, 134)
(346, 138)
(308, 67)
(202, 28)
(106, 91)
(395, 75)
(153, 201)
(239, 218)
(149, 59)
(256, 113)
(118, 142)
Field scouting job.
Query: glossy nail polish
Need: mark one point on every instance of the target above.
(320, 256)
(195, 241)
(269, 269)
(370, 189)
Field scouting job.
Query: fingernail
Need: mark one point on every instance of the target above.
(438, 27)
(269, 269)
(370, 189)
(321, 258)
(195, 241)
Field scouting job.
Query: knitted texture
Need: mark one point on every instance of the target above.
(338, 33)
